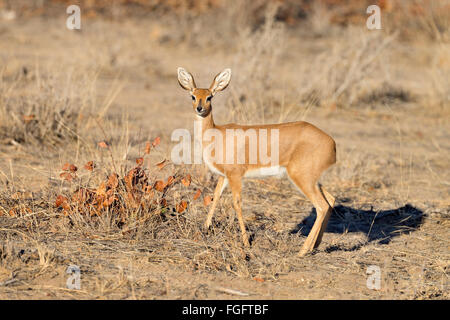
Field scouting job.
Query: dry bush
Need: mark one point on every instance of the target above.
(429, 19)
(341, 75)
(43, 112)
(98, 189)
(224, 26)
(385, 94)
(123, 194)
(136, 196)
(439, 74)
(319, 19)
(345, 71)
(256, 84)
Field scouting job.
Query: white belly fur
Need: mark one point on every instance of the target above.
(275, 171)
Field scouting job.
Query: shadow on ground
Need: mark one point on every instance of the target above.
(380, 226)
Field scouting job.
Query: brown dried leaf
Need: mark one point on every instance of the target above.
(148, 146)
(186, 181)
(110, 200)
(101, 190)
(19, 210)
(140, 161)
(147, 188)
(13, 212)
(60, 200)
(161, 164)
(197, 194)
(89, 165)
(28, 118)
(66, 176)
(69, 167)
(181, 206)
(113, 181)
(156, 142)
(134, 178)
(159, 185)
(170, 180)
(103, 144)
(207, 200)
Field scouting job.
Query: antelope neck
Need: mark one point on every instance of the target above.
(207, 122)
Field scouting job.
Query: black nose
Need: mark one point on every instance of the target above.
(199, 108)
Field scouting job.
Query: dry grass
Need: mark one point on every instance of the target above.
(40, 111)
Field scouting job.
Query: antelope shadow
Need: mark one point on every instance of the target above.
(381, 226)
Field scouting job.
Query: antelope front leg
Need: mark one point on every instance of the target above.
(221, 184)
(236, 188)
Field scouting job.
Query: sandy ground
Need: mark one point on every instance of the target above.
(391, 182)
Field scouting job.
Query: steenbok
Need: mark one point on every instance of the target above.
(303, 153)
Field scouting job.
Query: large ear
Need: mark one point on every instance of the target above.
(221, 81)
(185, 79)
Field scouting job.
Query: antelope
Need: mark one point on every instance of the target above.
(305, 152)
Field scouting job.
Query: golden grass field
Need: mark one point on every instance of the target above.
(106, 92)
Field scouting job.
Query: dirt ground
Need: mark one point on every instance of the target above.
(391, 180)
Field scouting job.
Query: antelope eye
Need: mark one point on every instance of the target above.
(209, 98)
(193, 98)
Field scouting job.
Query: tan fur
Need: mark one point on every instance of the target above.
(304, 150)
